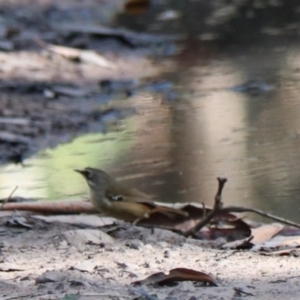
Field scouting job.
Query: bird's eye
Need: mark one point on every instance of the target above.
(115, 197)
(88, 174)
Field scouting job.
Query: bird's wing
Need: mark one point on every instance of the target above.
(114, 190)
(153, 206)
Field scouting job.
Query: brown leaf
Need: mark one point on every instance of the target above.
(258, 236)
(265, 233)
(228, 227)
(178, 274)
(223, 225)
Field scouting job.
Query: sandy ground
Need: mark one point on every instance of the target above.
(95, 259)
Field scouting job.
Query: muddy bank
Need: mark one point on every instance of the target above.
(51, 94)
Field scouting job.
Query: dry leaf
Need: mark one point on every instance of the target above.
(258, 236)
(265, 233)
(224, 224)
(178, 274)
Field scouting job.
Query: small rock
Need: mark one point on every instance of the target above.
(134, 244)
(166, 254)
(86, 266)
(51, 276)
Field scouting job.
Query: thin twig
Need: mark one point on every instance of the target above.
(240, 209)
(9, 197)
(216, 209)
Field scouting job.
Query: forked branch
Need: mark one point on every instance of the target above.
(216, 209)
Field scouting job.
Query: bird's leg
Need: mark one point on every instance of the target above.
(145, 216)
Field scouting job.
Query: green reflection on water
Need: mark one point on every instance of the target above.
(50, 174)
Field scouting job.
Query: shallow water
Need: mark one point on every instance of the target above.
(216, 128)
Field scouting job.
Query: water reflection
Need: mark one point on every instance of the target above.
(253, 140)
(50, 174)
(176, 150)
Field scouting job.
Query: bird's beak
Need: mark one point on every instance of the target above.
(82, 172)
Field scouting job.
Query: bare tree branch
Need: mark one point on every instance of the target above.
(216, 209)
(240, 209)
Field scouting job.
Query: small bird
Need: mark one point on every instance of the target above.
(121, 202)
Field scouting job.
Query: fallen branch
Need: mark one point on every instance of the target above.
(52, 207)
(216, 209)
(240, 209)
